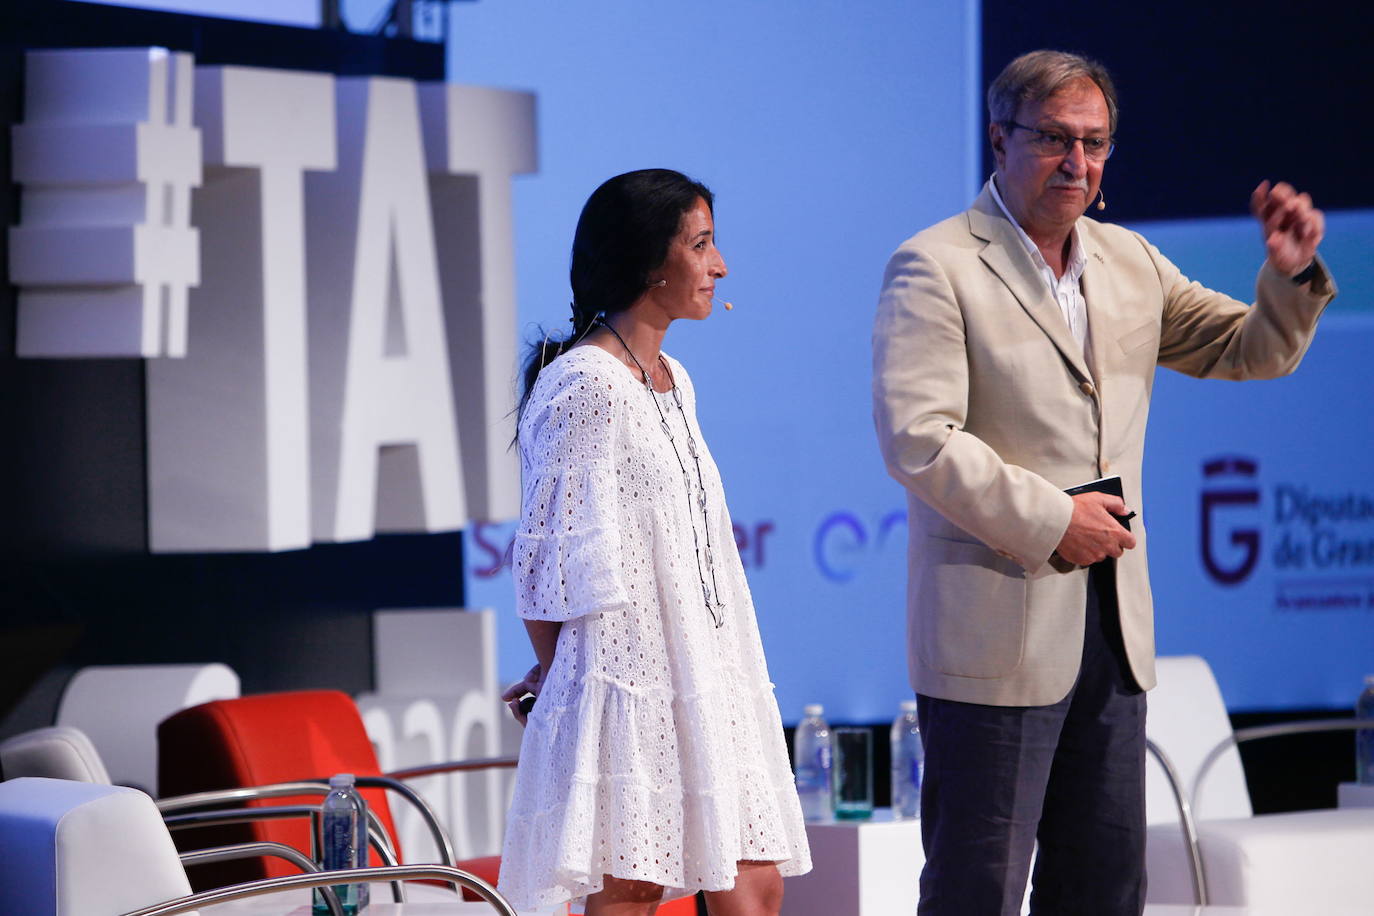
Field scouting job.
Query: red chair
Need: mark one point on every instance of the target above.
(269, 739)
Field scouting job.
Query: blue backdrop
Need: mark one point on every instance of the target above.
(830, 133)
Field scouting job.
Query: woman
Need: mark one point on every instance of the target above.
(653, 764)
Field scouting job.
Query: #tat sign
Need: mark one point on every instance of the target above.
(328, 318)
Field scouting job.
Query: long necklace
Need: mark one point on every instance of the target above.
(710, 592)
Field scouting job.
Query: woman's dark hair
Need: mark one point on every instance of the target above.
(622, 238)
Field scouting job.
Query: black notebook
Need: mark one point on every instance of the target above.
(1110, 485)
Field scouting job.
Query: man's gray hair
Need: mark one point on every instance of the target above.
(1037, 75)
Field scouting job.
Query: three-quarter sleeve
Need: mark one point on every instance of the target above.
(567, 546)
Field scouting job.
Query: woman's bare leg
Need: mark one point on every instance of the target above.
(623, 897)
(757, 892)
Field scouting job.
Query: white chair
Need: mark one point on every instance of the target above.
(59, 856)
(79, 849)
(57, 752)
(61, 752)
(1206, 845)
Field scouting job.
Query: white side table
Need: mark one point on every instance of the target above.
(1354, 795)
(859, 868)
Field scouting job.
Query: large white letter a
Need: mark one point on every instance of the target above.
(382, 405)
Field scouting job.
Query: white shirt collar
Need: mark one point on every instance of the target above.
(1073, 269)
(1066, 290)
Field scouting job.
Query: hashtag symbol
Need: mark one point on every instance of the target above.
(105, 253)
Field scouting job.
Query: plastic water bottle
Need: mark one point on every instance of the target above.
(1364, 738)
(343, 818)
(813, 755)
(908, 763)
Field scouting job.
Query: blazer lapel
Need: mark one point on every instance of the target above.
(1007, 257)
(1112, 292)
(1096, 296)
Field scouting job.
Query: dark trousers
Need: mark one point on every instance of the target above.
(1070, 776)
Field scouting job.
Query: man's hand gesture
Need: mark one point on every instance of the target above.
(1291, 226)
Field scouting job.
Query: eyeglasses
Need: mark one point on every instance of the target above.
(1055, 143)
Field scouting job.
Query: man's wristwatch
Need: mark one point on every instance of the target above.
(1306, 274)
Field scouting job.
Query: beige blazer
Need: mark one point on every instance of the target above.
(986, 409)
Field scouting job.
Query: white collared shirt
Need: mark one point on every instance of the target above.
(1066, 290)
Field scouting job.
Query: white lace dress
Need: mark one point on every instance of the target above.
(655, 751)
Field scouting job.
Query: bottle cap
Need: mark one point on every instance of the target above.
(813, 709)
(908, 706)
(341, 781)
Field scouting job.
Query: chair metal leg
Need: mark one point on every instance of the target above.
(326, 878)
(1185, 819)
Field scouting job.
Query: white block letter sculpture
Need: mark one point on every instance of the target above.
(331, 365)
(476, 140)
(104, 252)
(437, 699)
(228, 426)
(384, 443)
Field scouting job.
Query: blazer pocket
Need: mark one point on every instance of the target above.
(971, 613)
(1145, 334)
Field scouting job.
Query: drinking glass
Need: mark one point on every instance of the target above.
(853, 773)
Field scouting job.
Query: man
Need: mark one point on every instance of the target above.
(1014, 350)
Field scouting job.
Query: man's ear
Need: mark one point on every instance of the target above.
(998, 138)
